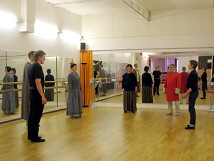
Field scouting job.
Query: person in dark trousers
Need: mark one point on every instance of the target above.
(204, 82)
(147, 86)
(37, 97)
(157, 79)
(129, 86)
(192, 86)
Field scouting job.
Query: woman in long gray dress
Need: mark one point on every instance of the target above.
(8, 100)
(74, 102)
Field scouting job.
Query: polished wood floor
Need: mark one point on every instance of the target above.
(108, 134)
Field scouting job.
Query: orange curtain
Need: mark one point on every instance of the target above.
(86, 73)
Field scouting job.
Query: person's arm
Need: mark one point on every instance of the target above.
(39, 88)
(123, 85)
(187, 93)
(70, 84)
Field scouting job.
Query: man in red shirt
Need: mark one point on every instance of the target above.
(184, 77)
(172, 88)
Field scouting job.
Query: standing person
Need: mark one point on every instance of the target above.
(192, 85)
(102, 74)
(137, 75)
(129, 86)
(37, 97)
(184, 77)
(204, 82)
(13, 72)
(147, 86)
(157, 79)
(26, 89)
(172, 88)
(74, 101)
(49, 93)
(8, 98)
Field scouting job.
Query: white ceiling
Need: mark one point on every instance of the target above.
(91, 7)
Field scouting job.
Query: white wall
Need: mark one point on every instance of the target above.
(179, 29)
(13, 40)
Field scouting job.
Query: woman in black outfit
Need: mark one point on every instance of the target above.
(129, 85)
(204, 82)
(147, 86)
(49, 93)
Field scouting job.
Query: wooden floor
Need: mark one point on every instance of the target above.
(108, 134)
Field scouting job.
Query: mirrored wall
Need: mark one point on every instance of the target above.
(60, 68)
(181, 61)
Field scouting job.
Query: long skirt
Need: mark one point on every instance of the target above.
(17, 99)
(49, 94)
(8, 103)
(74, 104)
(147, 94)
(129, 101)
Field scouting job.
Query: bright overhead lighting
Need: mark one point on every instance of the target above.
(7, 20)
(45, 30)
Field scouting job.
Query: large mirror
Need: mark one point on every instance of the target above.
(55, 92)
(116, 67)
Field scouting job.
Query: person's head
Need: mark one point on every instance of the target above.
(73, 67)
(135, 66)
(192, 64)
(172, 67)
(129, 68)
(30, 56)
(49, 71)
(204, 69)
(183, 69)
(13, 71)
(146, 69)
(39, 56)
(7, 69)
(157, 68)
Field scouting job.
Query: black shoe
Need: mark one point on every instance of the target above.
(38, 140)
(158, 94)
(125, 111)
(203, 97)
(133, 111)
(189, 127)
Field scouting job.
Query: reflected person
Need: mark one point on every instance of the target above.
(147, 86)
(204, 82)
(74, 101)
(8, 98)
(102, 74)
(49, 93)
(13, 72)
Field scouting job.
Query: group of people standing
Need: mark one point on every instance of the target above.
(10, 100)
(183, 84)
